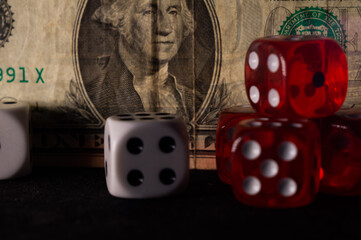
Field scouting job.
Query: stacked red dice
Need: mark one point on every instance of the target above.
(275, 156)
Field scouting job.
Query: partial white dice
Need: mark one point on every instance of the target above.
(146, 155)
(14, 140)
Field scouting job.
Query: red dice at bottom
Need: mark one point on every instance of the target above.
(276, 163)
(227, 121)
(341, 154)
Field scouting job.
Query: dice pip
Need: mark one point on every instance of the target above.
(341, 155)
(276, 163)
(146, 155)
(296, 76)
(14, 140)
(227, 121)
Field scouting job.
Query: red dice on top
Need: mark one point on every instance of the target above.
(296, 76)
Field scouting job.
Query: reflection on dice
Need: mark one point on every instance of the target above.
(296, 76)
(14, 140)
(276, 163)
(146, 155)
(227, 121)
(341, 154)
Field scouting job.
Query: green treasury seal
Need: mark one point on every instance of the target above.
(6, 22)
(314, 21)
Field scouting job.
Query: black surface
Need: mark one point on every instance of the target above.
(72, 203)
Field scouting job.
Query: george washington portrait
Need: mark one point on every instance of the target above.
(147, 35)
(147, 56)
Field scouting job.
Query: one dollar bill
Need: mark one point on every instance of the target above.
(78, 62)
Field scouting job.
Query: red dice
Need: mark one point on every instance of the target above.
(227, 121)
(296, 76)
(341, 154)
(272, 156)
(276, 163)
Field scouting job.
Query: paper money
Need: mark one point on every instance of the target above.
(78, 62)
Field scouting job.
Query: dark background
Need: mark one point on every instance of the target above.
(73, 203)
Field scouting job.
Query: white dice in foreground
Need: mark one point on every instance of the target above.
(14, 140)
(146, 155)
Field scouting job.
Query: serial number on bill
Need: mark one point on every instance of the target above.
(11, 75)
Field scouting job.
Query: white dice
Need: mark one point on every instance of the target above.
(146, 155)
(14, 140)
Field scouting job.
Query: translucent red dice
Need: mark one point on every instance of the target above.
(227, 121)
(276, 163)
(341, 154)
(296, 76)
